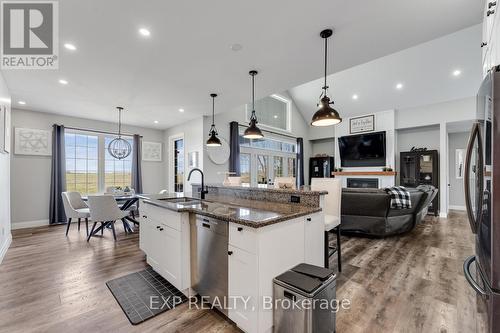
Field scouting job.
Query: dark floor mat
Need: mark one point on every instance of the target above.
(144, 294)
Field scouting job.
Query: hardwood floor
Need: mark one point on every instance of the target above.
(413, 283)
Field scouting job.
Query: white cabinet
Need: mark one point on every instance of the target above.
(491, 36)
(164, 237)
(314, 240)
(243, 286)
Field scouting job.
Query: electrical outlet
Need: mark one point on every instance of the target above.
(295, 199)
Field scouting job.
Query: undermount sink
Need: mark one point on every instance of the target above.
(182, 200)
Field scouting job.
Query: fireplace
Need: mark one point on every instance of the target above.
(362, 182)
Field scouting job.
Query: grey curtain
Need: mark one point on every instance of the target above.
(136, 165)
(300, 162)
(57, 176)
(234, 147)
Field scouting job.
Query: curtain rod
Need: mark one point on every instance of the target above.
(96, 131)
(276, 133)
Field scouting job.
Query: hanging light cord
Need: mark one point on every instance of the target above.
(253, 117)
(213, 111)
(325, 87)
(119, 121)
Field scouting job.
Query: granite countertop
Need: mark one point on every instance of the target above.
(304, 190)
(251, 213)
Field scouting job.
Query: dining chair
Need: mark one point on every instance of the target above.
(332, 212)
(75, 208)
(284, 182)
(104, 209)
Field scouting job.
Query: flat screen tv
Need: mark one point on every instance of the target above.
(362, 150)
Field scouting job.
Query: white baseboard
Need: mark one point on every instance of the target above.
(29, 224)
(443, 214)
(5, 247)
(457, 207)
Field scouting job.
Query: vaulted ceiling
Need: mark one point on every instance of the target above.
(188, 54)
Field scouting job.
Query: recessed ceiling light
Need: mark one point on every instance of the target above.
(354, 96)
(62, 81)
(21, 102)
(399, 86)
(181, 110)
(145, 32)
(70, 46)
(236, 47)
(156, 121)
(275, 116)
(457, 72)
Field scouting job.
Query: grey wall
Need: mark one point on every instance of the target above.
(419, 137)
(323, 146)
(300, 128)
(30, 176)
(5, 235)
(456, 189)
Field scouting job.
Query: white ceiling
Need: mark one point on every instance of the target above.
(187, 55)
(425, 71)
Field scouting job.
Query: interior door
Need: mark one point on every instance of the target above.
(473, 182)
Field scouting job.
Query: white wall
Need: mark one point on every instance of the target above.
(300, 128)
(194, 137)
(30, 176)
(5, 218)
(456, 189)
(323, 146)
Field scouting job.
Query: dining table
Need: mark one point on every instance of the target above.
(125, 201)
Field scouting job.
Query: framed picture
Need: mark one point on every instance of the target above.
(29, 141)
(8, 131)
(151, 151)
(362, 124)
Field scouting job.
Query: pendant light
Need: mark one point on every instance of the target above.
(119, 148)
(326, 115)
(213, 140)
(252, 131)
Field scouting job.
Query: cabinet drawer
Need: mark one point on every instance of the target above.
(243, 237)
(161, 215)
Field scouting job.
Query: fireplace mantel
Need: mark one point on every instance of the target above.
(365, 173)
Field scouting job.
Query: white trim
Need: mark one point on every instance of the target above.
(5, 247)
(29, 224)
(444, 215)
(280, 98)
(457, 207)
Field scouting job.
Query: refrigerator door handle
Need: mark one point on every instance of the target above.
(475, 135)
(470, 279)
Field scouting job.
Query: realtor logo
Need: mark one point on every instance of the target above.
(29, 35)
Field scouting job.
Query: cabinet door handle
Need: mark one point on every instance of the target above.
(309, 219)
(490, 12)
(491, 4)
(483, 44)
(206, 225)
(240, 229)
(145, 216)
(158, 227)
(161, 229)
(229, 252)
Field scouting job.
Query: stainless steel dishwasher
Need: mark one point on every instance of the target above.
(211, 276)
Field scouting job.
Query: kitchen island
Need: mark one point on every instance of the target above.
(232, 244)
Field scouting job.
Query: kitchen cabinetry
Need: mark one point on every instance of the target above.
(164, 237)
(491, 36)
(257, 255)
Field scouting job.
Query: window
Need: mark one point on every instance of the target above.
(90, 168)
(245, 167)
(262, 160)
(81, 163)
(272, 111)
(179, 165)
(117, 172)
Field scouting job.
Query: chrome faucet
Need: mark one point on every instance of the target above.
(203, 190)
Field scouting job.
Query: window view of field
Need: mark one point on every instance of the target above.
(84, 168)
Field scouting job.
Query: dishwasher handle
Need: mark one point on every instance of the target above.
(206, 225)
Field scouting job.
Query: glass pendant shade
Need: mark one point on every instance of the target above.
(213, 140)
(326, 115)
(252, 131)
(119, 148)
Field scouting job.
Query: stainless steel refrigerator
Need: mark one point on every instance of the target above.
(482, 198)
